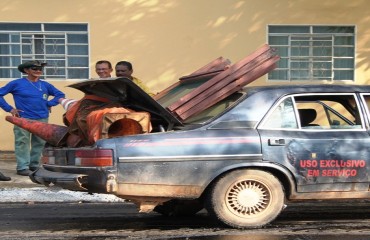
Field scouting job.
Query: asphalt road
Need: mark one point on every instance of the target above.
(315, 220)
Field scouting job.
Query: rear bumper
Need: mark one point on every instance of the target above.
(68, 181)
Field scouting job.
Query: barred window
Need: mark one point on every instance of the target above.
(313, 53)
(64, 46)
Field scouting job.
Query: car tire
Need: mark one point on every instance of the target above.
(246, 198)
(179, 207)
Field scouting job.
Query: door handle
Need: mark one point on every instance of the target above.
(276, 142)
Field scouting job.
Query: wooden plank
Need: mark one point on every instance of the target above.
(206, 72)
(218, 77)
(204, 96)
(168, 89)
(204, 76)
(232, 87)
(214, 67)
(165, 91)
(206, 104)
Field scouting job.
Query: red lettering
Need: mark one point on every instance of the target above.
(358, 163)
(313, 173)
(342, 163)
(308, 163)
(324, 163)
(339, 173)
(326, 173)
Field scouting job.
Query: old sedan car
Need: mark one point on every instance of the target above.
(243, 159)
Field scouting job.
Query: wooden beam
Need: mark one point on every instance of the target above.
(213, 68)
(230, 88)
(204, 96)
(265, 50)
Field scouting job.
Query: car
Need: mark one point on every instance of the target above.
(243, 159)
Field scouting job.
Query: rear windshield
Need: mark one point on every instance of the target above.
(182, 88)
(215, 110)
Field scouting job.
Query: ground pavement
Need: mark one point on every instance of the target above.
(8, 168)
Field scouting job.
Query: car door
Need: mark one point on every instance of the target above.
(321, 139)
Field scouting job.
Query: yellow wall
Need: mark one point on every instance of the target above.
(166, 39)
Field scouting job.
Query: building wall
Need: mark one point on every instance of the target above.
(166, 39)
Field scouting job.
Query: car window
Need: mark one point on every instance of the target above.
(283, 116)
(321, 111)
(328, 112)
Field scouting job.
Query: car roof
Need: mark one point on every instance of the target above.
(259, 99)
(310, 88)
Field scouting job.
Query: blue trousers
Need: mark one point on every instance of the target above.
(28, 147)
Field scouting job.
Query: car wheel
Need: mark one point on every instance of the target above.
(246, 198)
(179, 207)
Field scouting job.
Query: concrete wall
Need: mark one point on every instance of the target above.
(166, 39)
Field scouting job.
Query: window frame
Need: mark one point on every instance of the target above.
(22, 37)
(366, 106)
(286, 67)
(262, 124)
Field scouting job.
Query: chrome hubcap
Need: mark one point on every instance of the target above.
(247, 198)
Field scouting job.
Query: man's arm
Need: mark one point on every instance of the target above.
(4, 91)
(53, 91)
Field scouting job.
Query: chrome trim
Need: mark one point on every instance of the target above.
(179, 158)
(72, 166)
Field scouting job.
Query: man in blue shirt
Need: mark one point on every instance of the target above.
(31, 98)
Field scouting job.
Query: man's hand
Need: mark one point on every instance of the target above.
(15, 112)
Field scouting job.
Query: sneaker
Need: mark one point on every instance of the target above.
(24, 172)
(4, 178)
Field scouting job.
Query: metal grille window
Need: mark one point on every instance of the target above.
(63, 46)
(313, 53)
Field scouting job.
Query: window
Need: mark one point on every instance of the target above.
(283, 116)
(313, 53)
(63, 46)
(318, 112)
(328, 112)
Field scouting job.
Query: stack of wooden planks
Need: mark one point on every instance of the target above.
(226, 82)
(205, 73)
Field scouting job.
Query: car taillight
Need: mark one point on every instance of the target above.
(94, 158)
(48, 157)
(48, 160)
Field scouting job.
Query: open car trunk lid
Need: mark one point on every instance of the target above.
(126, 92)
